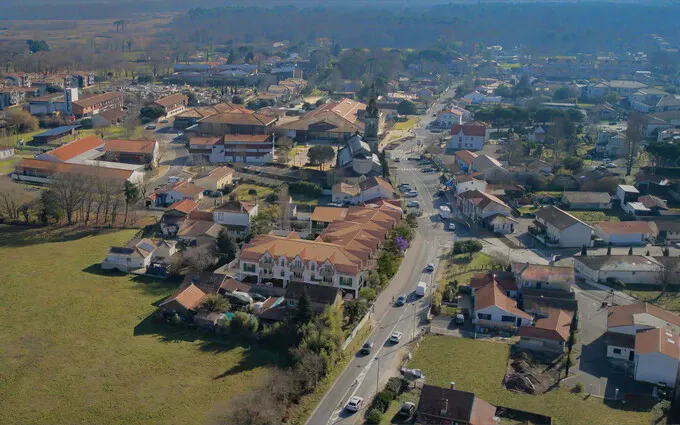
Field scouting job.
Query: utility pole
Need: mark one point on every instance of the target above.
(377, 376)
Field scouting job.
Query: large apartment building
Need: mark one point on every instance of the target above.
(338, 257)
(231, 148)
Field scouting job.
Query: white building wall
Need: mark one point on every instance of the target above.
(497, 314)
(376, 192)
(231, 218)
(473, 184)
(622, 354)
(656, 368)
(648, 277)
(575, 236)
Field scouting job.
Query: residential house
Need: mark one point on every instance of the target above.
(368, 190)
(465, 159)
(621, 87)
(543, 277)
(587, 200)
(169, 194)
(667, 229)
(538, 133)
(176, 213)
(6, 153)
(199, 229)
(108, 118)
(491, 308)
(652, 124)
(13, 96)
(42, 172)
(550, 332)
(192, 116)
(451, 117)
(94, 105)
(646, 100)
(505, 280)
(235, 216)
(654, 203)
(610, 144)
(185, 301)
(452, 407)
(131, 151)
(479, 207)
(484, 163)
(556, 227)
(624, 232)
(320, 296)
(668, 103)
(173, 104)
(657, 356)
(216, 179)
(626, 193)
(323, 216)
(137, 254)
(357, 157)
(628, 269)
(471, 136)
(236, 121)
(603, 112)
(466, 182)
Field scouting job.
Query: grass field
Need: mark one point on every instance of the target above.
(458, 266)
(406, 125)
(669, 300)
(241, 192)
(77, 346)
(390, 415)
(479, 367)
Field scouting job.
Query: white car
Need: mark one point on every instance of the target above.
(413, 204)
(610, 165)
(354, 404)
(452, 226)
(396, 337)
(411, 194)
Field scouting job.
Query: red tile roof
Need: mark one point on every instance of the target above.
(554, 327)
(130, 146)
(491, 294)
(184, 206)
(658, 341)
(469, 129)
(75, 148)
(624, 227)
(98, 98)
(466, 156)
(172, 100)
(49, 167)
(624, 315)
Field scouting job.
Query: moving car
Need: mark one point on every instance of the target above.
(420, 289)
(401, 300)
(354, 404)
(410, 194)
(407, 410)
(367, 347)
(150, 127)
(396, 337)
(429, 268)
(413, 204)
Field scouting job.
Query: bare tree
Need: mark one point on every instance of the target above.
(284, 206)
(634, 133)
(199, 258)
(12, 197)
(71, 190)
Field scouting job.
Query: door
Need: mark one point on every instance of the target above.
(518, 321)
(631, 356)
(538, 285)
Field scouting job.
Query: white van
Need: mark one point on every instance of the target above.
(420, 289)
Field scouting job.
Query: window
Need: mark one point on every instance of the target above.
(617, 351)
(283, 273)
(345, 281)
(507, 319)
(483, 316)
(249, 267)
(313, 266)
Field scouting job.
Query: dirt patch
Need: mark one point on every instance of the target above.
(532, 373)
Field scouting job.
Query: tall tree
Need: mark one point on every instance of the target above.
(70, 190)
(634, 133)
(227, 245)
(131, 192)
(303, 313)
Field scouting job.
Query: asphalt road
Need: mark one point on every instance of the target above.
(366, 373)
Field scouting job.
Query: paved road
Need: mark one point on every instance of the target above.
(174, 155)
(364, 372)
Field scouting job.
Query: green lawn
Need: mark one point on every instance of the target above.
(390, 416)
(305, 200)
(479, 367)
(77, 346)
(593, 216)
(407, 125)
(669, 300)
(241, 192)
(511, 65)
(528, 209)
(457, 267)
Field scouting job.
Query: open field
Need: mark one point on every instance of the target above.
(669, 300)
(406, 125)
(241, 192)
(79, 347)
(479, 367)
(593, 216)
(457, 267)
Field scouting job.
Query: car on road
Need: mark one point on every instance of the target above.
(164, 121)
(173, 179)
(411, 194)
(429, 268)
(428, 170)
(413, 204)
(452, 226)
(611, 165)
(405, 188)
(367, 347)
(396, 337)
(334, 204)
(150, 127)
(397, 159)
(407, 410)
(354, 404)
(401, 300)
(460, 319)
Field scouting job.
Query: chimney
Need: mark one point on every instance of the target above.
(445, 406)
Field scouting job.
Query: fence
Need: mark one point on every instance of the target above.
(355, 331)
(522, 416)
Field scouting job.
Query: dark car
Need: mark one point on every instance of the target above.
(367, 347)
(401, 300)
(257, 297)
(407, 410)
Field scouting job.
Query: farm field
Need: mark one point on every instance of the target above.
(79, 346)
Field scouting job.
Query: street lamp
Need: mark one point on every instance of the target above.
(377, 376)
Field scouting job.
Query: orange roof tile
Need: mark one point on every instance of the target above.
(658, 341)
(184, 206)
(75, 148)
(624, 227)
(189, 296)
(60, 167)
(491, 294)
(172, 100)
(130, 146)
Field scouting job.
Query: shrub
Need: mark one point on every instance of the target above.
(374, 416)
(383, 400)
(368, 294)
(577, 389)
(252, 192)
(467, 247)
(397, 385)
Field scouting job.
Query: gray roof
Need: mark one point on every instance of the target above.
(668, 225)
(587, 197)
(558, 218)
(669, 100)
(618, 262)
(317, 293)
(622, 84)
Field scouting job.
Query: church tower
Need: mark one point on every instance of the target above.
(371, 120)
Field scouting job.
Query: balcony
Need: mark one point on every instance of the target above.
(540, 234)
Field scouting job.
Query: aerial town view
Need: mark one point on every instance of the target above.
(298, 212)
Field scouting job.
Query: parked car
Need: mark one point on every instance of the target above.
(164, 121)
(452, 226)
(401, 300)
(407, 410)
(334, 204)
(150, 127)
(611, 165)
(354, 404)
(413, 204)
(411, 194)
(428, 170)
(460, 319)
(257, 297)
(396, 337)
(429, 268)
(366, 348)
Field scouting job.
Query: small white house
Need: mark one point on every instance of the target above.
(466, 182)
(628, 269)
(137, 254)
(471, 136)
(235, 215)
(556, 227)
(626, 193)
(624, 232)
(492, 308)
(657, 356)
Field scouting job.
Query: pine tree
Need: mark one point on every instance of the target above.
(304, 310)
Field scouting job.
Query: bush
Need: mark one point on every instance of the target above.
(467, 247)
(305, 188)
(374, 416)
(397, 385)
(383, 399)
(243, 324)
(577, 389)
(252, 192)
(368, 294)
